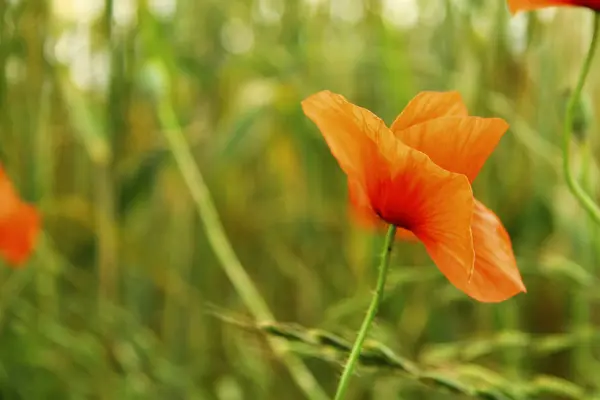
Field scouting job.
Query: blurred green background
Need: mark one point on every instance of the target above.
(129, 294)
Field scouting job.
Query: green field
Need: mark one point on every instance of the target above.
(197, 242)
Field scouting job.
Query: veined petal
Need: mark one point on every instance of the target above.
(363, 213)
(458, 144)
(358, 139)
(414, 188)
(496, 276)
(409, 192)
(19, 224)
(430, 105)
(437, 206)
(398, 184)
(360, 206)
(405, 234)
(441, 211)
(528, 5)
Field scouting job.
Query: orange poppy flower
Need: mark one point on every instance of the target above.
(19, 224)
(417, 175)
(528, 5)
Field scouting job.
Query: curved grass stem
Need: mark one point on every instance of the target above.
(220, 244)
(580, 194)
(366, 325)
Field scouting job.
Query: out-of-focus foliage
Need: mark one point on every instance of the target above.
(119, 300)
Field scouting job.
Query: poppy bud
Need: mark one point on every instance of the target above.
(582, 116)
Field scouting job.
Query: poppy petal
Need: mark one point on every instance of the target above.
(437, 206)
(363, 213)
(405, 234)
(357, 138)
(19, 224)
(430, 105)
(18, 234)
(496, 276)
(460, 145)
(360, 206)
(442, 210)
(529, 5)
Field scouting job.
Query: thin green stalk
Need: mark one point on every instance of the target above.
(106, 232)
(366, 325)
(104, 188)
(210, 218)
(4, 52)
(584, 199)
(43, 150)
(582, 358)
(223, 249)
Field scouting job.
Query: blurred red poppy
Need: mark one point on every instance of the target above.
(528, 5)
(19, 224)
(417, 175)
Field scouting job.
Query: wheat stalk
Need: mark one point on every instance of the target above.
(471, 380)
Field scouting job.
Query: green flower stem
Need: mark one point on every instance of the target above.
(584, 199)
(366, 325)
